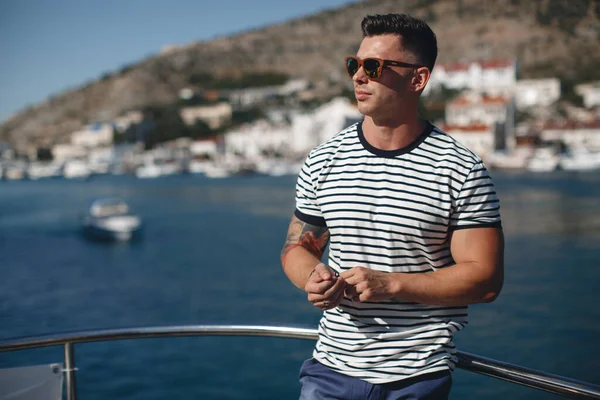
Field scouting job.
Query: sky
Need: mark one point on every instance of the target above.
(49, 46)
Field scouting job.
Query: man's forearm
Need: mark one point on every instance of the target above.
(457, 285)
(303, 249)
(297, 264)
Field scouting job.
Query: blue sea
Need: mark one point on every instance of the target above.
(210, 255)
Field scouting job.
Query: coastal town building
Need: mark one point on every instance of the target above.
(257, 139)
(244, 98)
(574, 134)
(93, 135)
(495, 78)
(295, 138)
(123, 122)
(482, 122)
(204, 148)
(536, 92)
(311, 129)
(476, 108)
(478, 138)
(214, 115)
(67, 151)
(590, 93)
(492, 76)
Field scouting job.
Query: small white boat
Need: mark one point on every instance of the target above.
(515, 160)
(148, 170)
(111, 219)
(42, 170)
(580, 159)
(544, 159)
(216, 171)
(74, 169)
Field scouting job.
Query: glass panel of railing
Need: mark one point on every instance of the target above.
(35, 382)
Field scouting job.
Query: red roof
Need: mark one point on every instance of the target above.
(571, 124)
(456, 67)
(484, 99)
(496, 64)
(475, 127)
(487, 64)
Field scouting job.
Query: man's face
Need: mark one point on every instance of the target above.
(383, 97)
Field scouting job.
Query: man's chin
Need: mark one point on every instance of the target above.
(364, 107)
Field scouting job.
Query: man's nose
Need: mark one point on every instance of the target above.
(360, 76)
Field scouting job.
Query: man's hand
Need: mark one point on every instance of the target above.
(325, 289)
(363, 284)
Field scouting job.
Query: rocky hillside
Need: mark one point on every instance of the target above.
(549, 37)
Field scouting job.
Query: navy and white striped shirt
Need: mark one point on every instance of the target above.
(392, 211)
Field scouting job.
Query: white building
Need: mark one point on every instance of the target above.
(123, 122)
(214, 116)
(93, 135)
(478, 138)
(476, 108)
(574, 134)
(204, 148)
(250, 96)
(253, 140)
(100, 159)
(186, 93)
(311, 129)
(64, 152)
(590, 93)
(306, 131)
(493, 76)
(537, 92)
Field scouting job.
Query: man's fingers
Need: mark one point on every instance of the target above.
(339, 285)
(350, 291)
(353, 279)
(347, 274)
(332, 292)
(319, 287)
(331, 298)
(316, 278)
(324, 272)
(353, 275)
(337, 299)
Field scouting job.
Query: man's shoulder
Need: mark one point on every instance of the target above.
(451, 147)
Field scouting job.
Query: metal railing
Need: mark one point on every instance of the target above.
(513, 373)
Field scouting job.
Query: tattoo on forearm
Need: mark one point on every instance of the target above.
(312, 238)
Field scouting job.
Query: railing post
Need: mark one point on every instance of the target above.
(70, 371)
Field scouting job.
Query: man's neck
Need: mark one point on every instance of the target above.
(392, 135)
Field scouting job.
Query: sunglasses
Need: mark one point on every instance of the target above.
(373, 66)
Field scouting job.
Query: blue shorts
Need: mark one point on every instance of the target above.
(320, 383)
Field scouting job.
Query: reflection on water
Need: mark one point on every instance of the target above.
(566, 205)
(533, 212)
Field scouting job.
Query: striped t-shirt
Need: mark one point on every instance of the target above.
(392, 211)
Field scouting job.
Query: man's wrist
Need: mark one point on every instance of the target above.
(394, 286)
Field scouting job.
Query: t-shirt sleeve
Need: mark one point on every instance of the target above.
(477, 204)
(307, 207)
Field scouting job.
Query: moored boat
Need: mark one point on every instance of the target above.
(111, 219)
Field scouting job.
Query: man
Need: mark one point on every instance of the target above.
(413, 226)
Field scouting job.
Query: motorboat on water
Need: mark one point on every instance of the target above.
(543, 159)
(111, 219)
(580, 159)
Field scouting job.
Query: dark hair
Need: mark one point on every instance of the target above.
(417, 36)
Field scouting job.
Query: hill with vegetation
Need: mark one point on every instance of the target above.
(548, 37)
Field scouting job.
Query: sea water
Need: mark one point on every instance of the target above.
(210, 255)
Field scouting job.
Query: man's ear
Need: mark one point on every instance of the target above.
(420, 78)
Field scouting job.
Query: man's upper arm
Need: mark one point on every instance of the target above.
(311, 237)
(484, 249)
